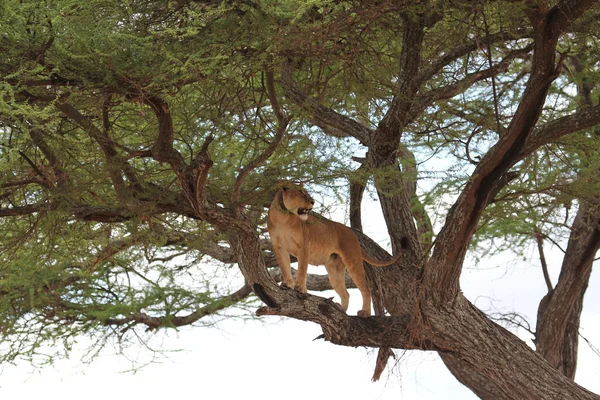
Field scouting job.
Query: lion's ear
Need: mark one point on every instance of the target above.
(301, 185)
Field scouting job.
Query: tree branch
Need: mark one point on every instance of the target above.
(442, 273)
(383, 154)
(395, 119)
(330, 121)
(25, 210)
(163, 149)
(554, 130)
(59, 173)
(157, 322)
(409, 181)
(21, 183)
(282, 123)
(540, 245)
(88, 212)
(106, 144)
(560, 309)
(314, 282)
(341, 329)
(460, 51)
(357, 189)
(426, 99)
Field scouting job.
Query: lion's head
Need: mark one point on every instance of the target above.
(296, 200)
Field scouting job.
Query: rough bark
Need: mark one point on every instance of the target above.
(557, 336)
(560, 310)
(428, 312)
(484, 356)
(443, 270)
(399, 297)
(511, 369)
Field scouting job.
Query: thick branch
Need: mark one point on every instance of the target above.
(88, 212)
(554, 130)
(443, 271)
(395, 119)
(163, 149)
(357, 189)
(193, 180)
(560, 309)
(409, 181)
(25, 210)
(341, 329)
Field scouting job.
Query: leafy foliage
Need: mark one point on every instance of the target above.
(97, 232)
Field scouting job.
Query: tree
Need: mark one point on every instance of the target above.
(159, 131)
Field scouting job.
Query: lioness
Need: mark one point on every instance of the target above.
(316, 241)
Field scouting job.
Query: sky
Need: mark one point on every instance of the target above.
(274, 358)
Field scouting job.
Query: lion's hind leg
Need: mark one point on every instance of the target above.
(336, 272)
(357, 273)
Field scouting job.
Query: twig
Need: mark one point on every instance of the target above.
(490, 63)
(540, 245)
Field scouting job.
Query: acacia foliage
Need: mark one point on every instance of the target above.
(96, 231)
(136, 136)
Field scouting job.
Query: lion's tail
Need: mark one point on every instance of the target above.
(378, 263)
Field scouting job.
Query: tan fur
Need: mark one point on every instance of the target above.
(317, 241)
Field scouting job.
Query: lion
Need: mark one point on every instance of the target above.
(317, 241)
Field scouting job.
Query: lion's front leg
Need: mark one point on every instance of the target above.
(283, 259)
(302, 270)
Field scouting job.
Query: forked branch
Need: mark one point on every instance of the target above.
(443, 271)
(163, 149)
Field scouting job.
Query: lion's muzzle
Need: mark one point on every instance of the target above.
(303, 213)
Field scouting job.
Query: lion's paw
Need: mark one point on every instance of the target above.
(285, 285)
(301, 288)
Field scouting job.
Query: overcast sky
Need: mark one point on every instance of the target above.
(275, 358)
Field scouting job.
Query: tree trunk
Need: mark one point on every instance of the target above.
(428, 310)
(511, 369)
(560, 310)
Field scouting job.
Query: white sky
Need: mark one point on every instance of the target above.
(275, 358)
